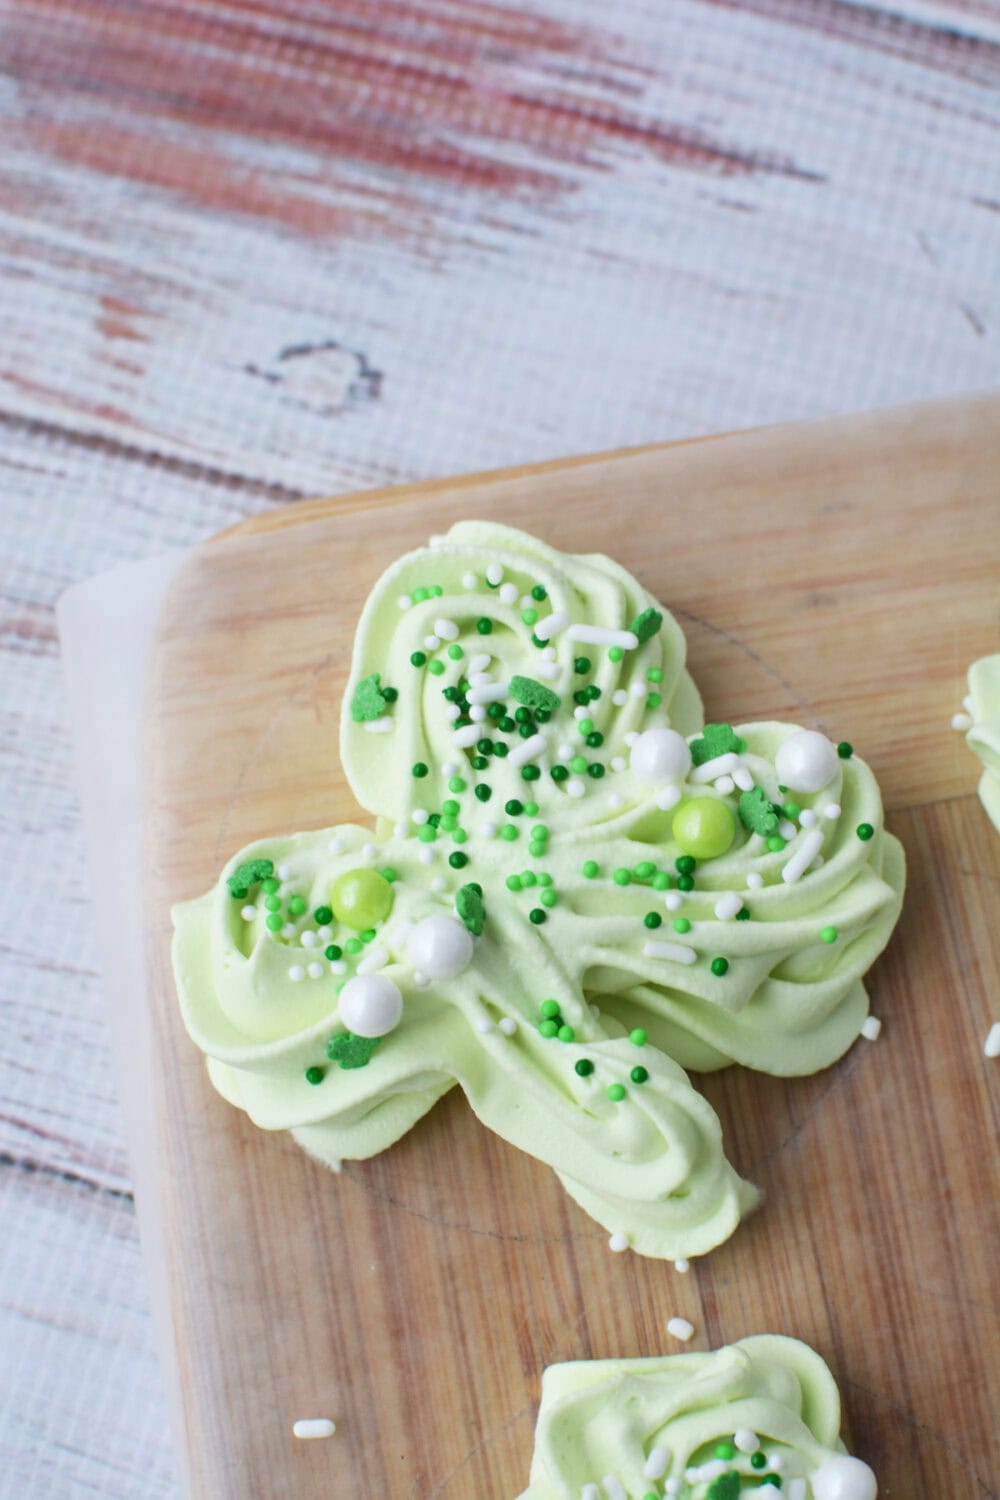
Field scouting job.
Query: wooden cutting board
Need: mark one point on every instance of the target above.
(840, 574)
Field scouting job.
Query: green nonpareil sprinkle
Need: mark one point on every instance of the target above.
(616, 1092)
(315, 1075)
(591, 869)
(584, 1067)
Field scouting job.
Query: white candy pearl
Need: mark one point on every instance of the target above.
(440, 947)
(660, 755)
(844, 1478)
(370, 1005)
(806, 761)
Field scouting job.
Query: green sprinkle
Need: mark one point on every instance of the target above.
(484, 792)
(369, 701)
(484, 626)
(653, 700)
(529, 616)
(315, 1075)
(776, 843)
(591, 869)
(368, 936)
(480, 763)
(273, 923)
(332, 952)
(548, 898)
(528, 879)
(685, 882)
(522, 716)
(582, 664)
(615, 653)
(720, 966)
(484, 746)
(616, 1091)
(496, 711)
(724, 1487)
(661, 881)
(530, 773)
(655, 674)
(716, 740)
(508, 726)
(460, 836)
(725, 1450)
(566, 1034)
(455, 651)
(685, 864)
(270, 885)
(419, 770)
(622, 876)
(596, 770)
(585, 726)
(427, 834)
(539, 592)
(559, 773)
(272, 903)
(652, 919)
(646, 624)
(513, 882)
(533, 694)
(456, 784)
(500, 749)
(582, 697)
(845, 750)
(458, 860)
(639, 1075)
(644, 870)
(508, 832)
(350, 1051)
(549, 1029)
(757, 813)
(514, 808)
(637, 1037)
(593, 692)
(791, 810)
(595, 739)
(758, 1460)
(540, 831)
(353, 945)
(418, 658)
(449, 807)
(578, 764)
(828, 934)
(322, 915)
(536, 915)
(548, 1009)
(246, 875)
(435, 667)
(865, 831)
(544, 878)
(296, 905)
(538, 848)
(681, 924)
(584, 1067)
(419, 595)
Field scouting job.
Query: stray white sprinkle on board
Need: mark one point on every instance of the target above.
(961, 721)
(618, 1242)
(314, 1427)
(683, 1265)
(657, 1463)
(680, 1328)
(991, 1047)
(675, 953)
(871, 1028)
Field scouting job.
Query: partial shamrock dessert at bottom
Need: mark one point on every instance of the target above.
(760, 1417)
(575, 890)
(982, 724)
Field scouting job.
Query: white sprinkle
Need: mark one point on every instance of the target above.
(427, 854)
(308, 938)
(807, 818)
(575, 786)
(581, 711)
(549, 654)
(675, 953)
(369, 851)
(712, 1469)
(832, 811)
(680, 1328)
(657, 1463)
(991, 1046)
(248, 913)
(807, 846)
(477, 713)
(288, 931)
(668, 798)
(401, 830)
(565, 752)
(967, 703)
(595, 1011)
(796, 1489)
(871, 1028)
(404, 601)
(284, 872)
(526, 601)
(466, 736)
(338, 966)
(547, 669)
(508, 593)
(596, 635)
(452, 711)
(376, 958)
(336, 845)
(638, 690)
(488, 829)
(508, 1026)
(590, 1492)
(725, 785)
(296, 973)
(314, 1427)
(439, 884)
(787, 829)
(728, 905)
(446, 629)
(488, 692)
(470, 581)
(613, 1488)
(745, 1440)
(437, 540)
(325, 934)
(618, 763)
(743, 779)
(961, 721)
(378, 726)
(616, 800)
(631, 737)
(420, 816)
(673, 1486)
(526, 751)
(619, 698)
(484, 1026)
(315, 970)
(450, 768)
(494, 574)
(420, 980)
(479, 663)
(754, 880)
(719, 765)
(816, 862)
(683, 1265)
(618, 1242)
(776, 1461)
(673, 900)
(431, 642)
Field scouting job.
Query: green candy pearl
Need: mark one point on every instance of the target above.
(704, 827)
(361, 898)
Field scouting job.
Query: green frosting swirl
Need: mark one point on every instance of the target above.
(769, 1405)
(984, 736)
(575, 901)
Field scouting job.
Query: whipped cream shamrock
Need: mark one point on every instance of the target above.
(574, 891)
(760, 1417)
(982, 725)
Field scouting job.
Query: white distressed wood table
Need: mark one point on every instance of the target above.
(254, 251)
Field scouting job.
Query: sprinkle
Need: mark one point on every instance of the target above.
(991, 1047)
(961, 721)
(487, 692)
(638, 690)
(807, 818)
(336, 845)
(657, 1463)
(720, 966)
(787, 830)
(404, 601)
(616, 1092)
(590, 1492)
(431, 642)
(296, 973)
(308, 939)
(452, 711)
(725, 785)
(478, 663)
(248, 913)
(728, 905)
(720, 765)
(470, 581)
(871, 1028)
(466, 737)
(315, 971)
(745, 1440)
(379, 726)
(427, 854)
(618, 763)
(619, 698)
(494, 575)
(314, 1427)
(618, 1242)
(446, 629)
(527, 750)
(477, 713)
(831, 811)
(369, 851)
(743, 779)
(865, 831)
(547, 669)
(376, 958)
(676, 953)
(551, 626)
(680, 1328)
(508, 593)
(338, 966)
(484, 1026)
(439, 884)
(673, 900)
(449, 768)
(828, 934)
(508, 1026)
(576, 787)
(597, 635)
(845, 750)
(668, 798)
(284, 872)
(683, 1265)
(755, 880)
(613, 1488)
(806, 849)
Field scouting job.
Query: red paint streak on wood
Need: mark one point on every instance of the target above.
(116, 320)
(432, 91)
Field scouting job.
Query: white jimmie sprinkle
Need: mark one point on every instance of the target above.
(991, 1047)
(657, 1463)
(527, 750)
(314, 1427)
(675, 953)
(871, 1028)
(806, 849)
(597, 635)
(551, 625)
(722, 765)
(379, 726)
(728, 905)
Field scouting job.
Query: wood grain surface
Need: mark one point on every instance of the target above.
(256, 250)
(825, 573)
